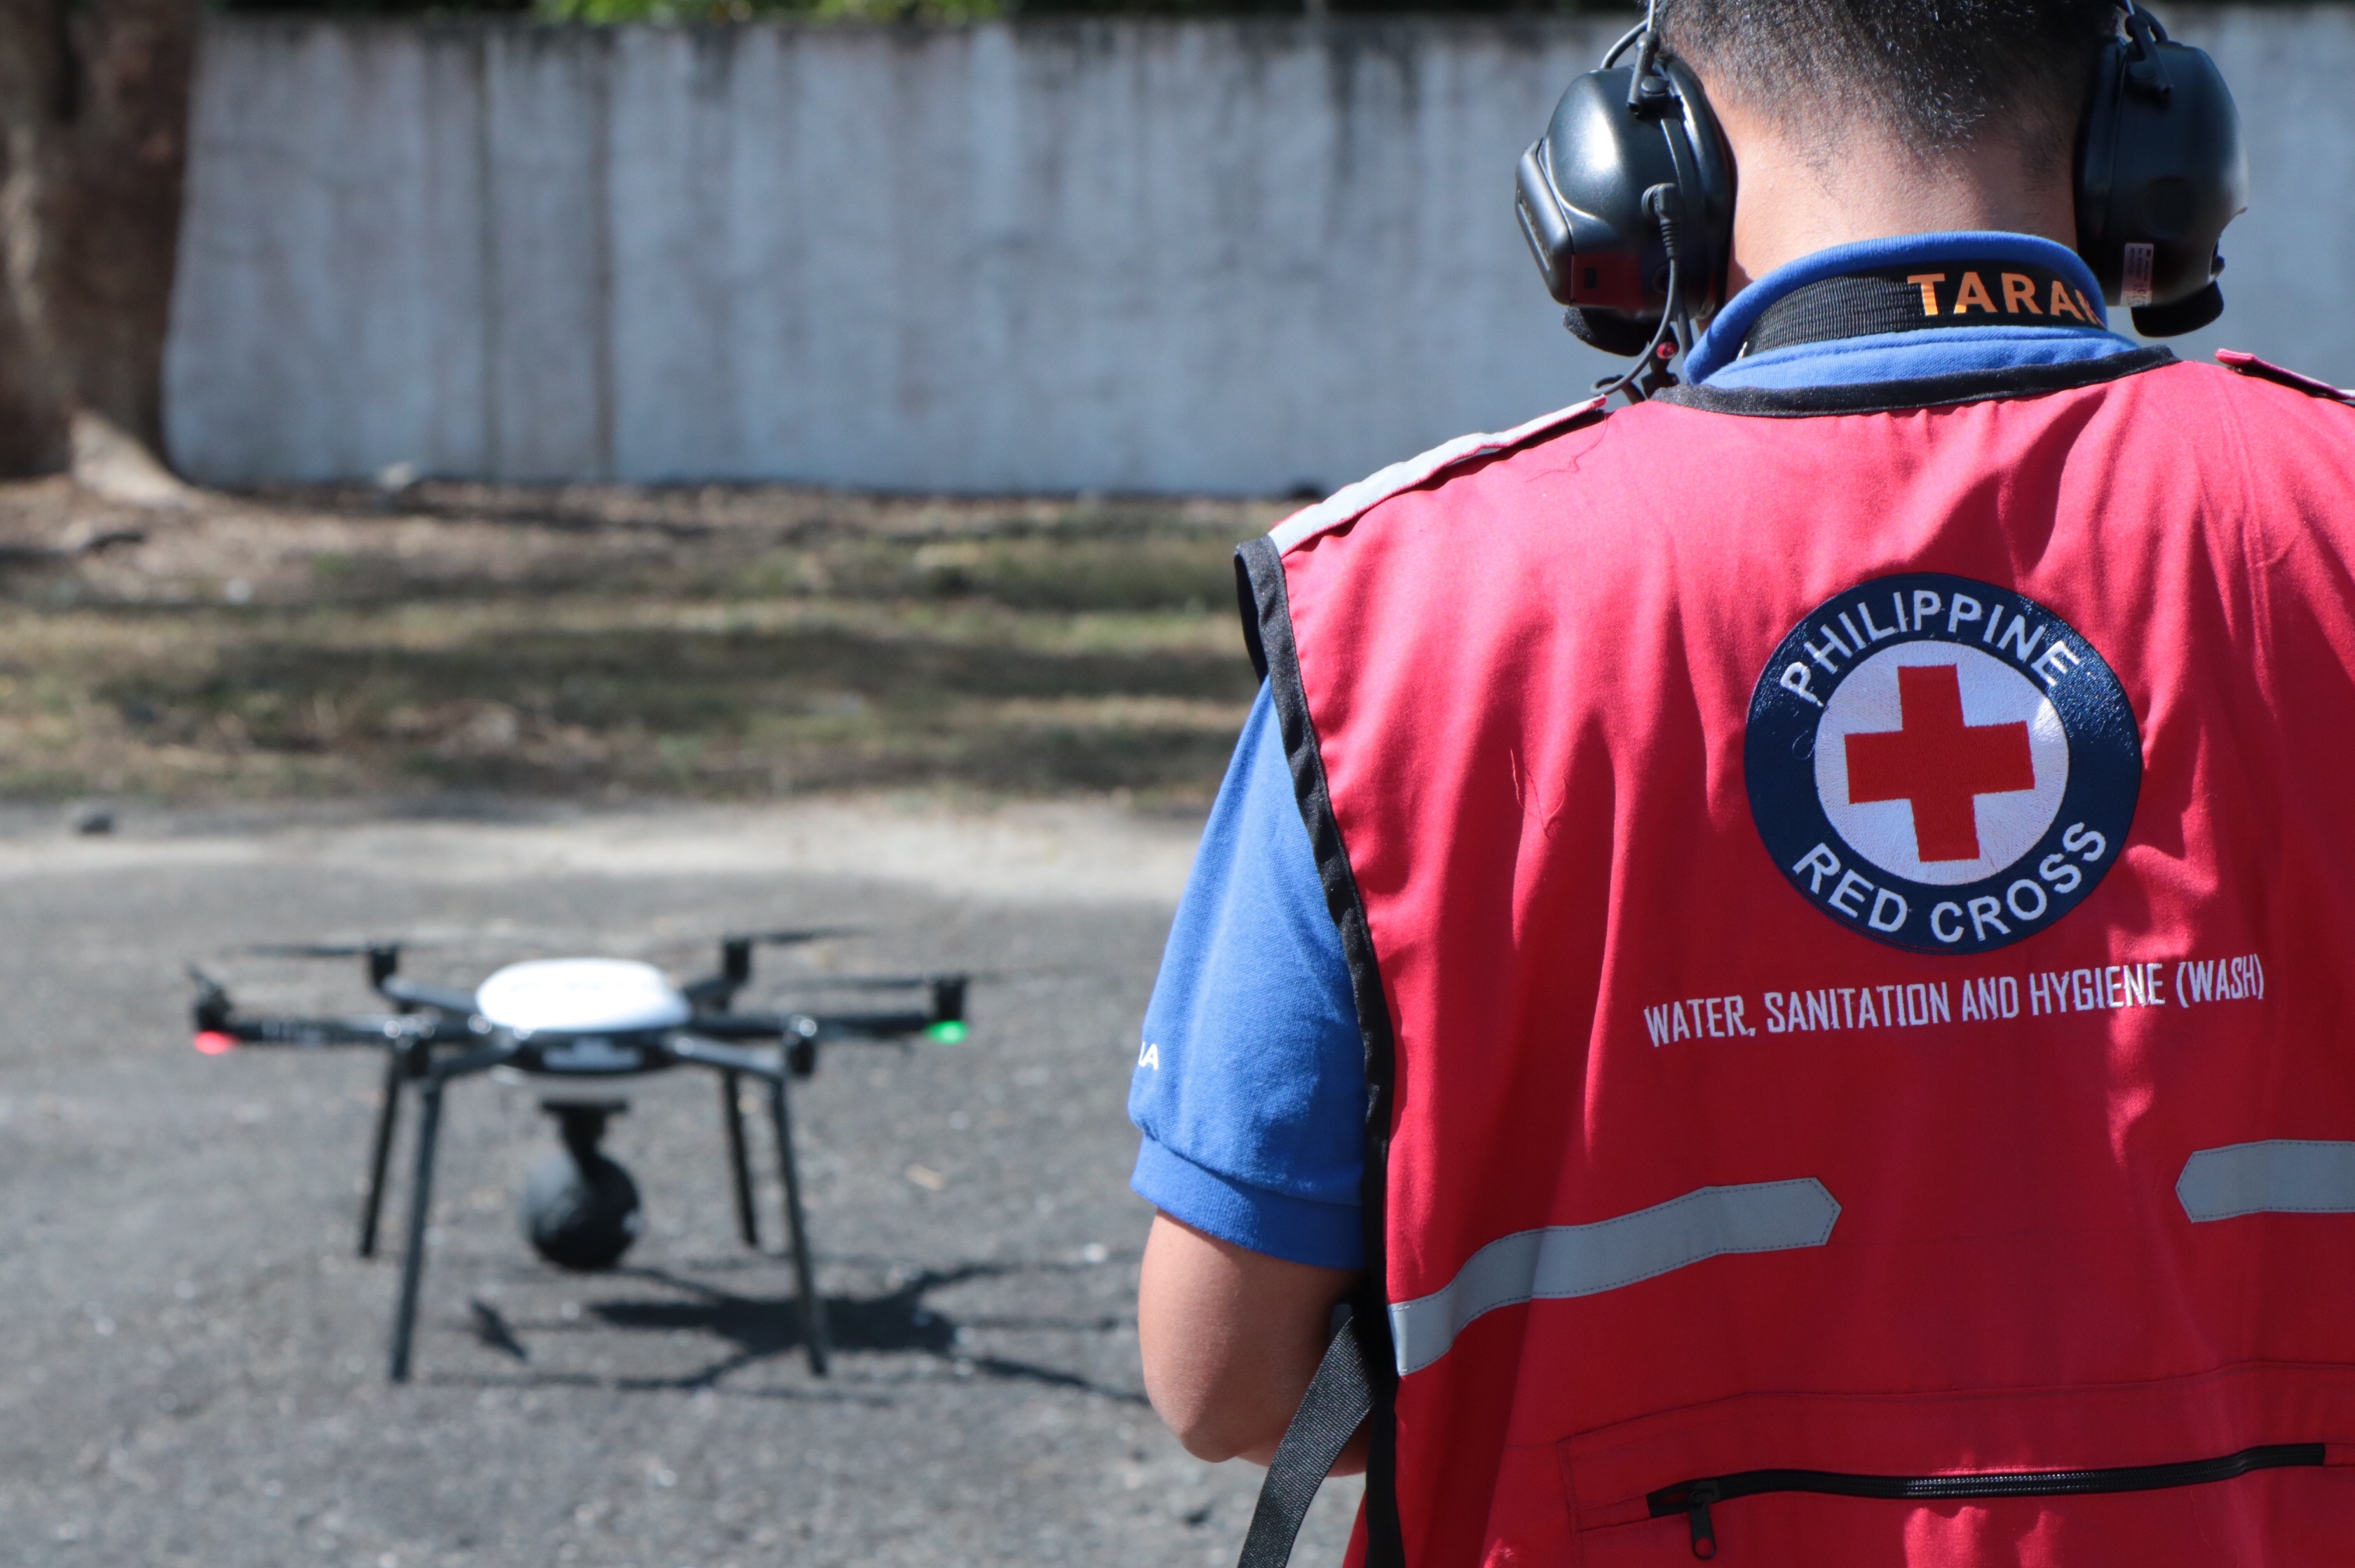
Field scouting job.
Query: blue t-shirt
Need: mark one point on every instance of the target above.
(1251, 1082)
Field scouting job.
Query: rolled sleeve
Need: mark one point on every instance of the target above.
(1250, 1085)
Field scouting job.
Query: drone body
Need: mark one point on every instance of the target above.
(580, 1209)
(577, 1018)
(583, 997)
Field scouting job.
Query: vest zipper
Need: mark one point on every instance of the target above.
(1694, 1499)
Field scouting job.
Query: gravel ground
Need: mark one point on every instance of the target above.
(194, 1371)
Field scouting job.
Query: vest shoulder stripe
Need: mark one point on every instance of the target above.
(2249, 365)
(1563, 1261)
(2279, 1176)
(1353, 502)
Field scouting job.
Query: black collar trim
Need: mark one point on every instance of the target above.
(1923, 392)
(1960, 295)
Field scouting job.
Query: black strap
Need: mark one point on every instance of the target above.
(1339, 1400)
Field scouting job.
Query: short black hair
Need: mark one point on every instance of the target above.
(1933, 72)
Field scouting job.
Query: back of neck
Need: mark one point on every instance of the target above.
(1794, 202)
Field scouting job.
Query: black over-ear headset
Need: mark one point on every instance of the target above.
(1628, 200)
(2160, 172)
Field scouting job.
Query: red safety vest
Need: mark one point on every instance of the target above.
(1854, 914)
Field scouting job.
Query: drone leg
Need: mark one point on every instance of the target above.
(805, 1266)
(732, 1111)
(388, 1112)
(420, 1202)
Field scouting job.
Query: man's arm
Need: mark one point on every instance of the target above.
(1231, 1339)
(1250, 1089)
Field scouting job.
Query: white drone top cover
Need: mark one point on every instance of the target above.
(582, 996)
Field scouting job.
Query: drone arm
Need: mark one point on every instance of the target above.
(487, 1054)
(219, 1032)
(946, 1014)
(700, 1048)
(218, 1035)
(802, 1027)
(943, 1020)
(712, 992)
(746, 1025)
(873, 1025)
(400, 989)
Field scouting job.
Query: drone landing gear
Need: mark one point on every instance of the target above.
(748, 1223)
(731, 1114)
(733, 1065)
(805, 1265)
(420, 1208)
(388, 1113)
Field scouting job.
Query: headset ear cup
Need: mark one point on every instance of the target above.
(1613, 332)
(2183, 316)
(1580, 194)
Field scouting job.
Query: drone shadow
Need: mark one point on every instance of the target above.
(761, 1328)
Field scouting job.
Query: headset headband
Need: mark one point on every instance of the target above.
(1628, 200)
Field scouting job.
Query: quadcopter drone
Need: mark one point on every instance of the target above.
(583, 1019)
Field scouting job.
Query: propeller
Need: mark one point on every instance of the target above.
(854, 983)
(383, 957)
(791, 937)
(736, 955)
(805, 980)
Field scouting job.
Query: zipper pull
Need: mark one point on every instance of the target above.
(1697, 1497)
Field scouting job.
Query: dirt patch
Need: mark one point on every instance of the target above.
(606, 642)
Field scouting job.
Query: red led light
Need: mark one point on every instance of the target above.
(214, 1042)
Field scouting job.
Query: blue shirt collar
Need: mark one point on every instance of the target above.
(1718, 346)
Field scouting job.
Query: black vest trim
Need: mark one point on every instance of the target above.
(1267, 630)
(1925, 392)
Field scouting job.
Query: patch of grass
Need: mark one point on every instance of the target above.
(718, 643)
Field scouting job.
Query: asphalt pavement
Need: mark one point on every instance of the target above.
(194, 1357)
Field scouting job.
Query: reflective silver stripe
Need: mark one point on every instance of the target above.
(2279, 1176)
(1353, 502)
(1584, 1260)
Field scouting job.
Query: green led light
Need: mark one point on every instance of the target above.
(948, 1032)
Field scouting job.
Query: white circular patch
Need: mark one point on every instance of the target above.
(572, 996)
(1931, 794)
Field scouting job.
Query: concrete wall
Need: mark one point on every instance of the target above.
(1222, 257)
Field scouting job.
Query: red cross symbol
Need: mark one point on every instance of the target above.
(1937, 763)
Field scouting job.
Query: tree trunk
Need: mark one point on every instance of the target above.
(93, 133)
